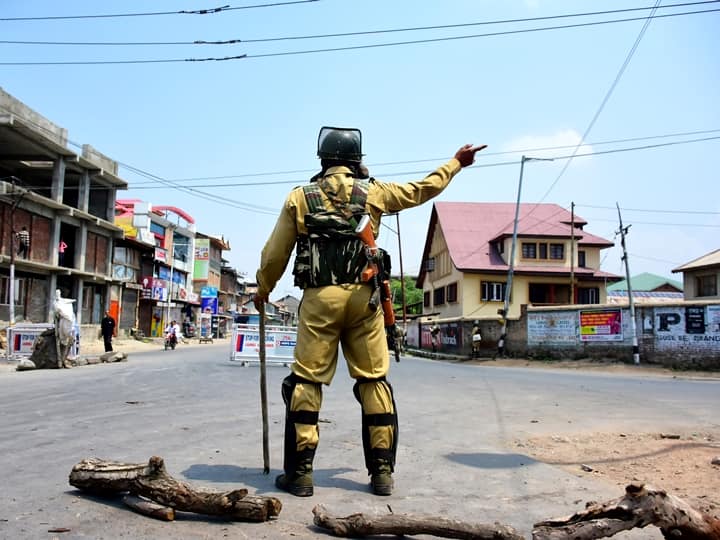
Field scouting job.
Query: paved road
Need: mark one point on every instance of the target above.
(202, 414)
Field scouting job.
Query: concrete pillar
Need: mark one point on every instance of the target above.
(52, 285)
(110, 214)
(79, 301)
(54, 241)
(81, 243)
(84, 192)
(58, 180)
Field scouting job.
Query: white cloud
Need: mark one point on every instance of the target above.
(568, 138)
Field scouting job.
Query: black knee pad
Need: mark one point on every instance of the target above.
(383, 419)
(292, 456)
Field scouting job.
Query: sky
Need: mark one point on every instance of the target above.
(225, 140)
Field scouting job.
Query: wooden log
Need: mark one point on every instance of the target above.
(148, 508)
(153, 482)
(642, 505)
(356, 525)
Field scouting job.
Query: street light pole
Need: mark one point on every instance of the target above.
(511, 263)
(171, 228)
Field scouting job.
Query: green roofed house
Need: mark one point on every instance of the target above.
(646, 287)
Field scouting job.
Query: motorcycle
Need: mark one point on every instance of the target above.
(170, 340)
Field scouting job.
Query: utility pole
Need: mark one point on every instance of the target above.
(402, 274)
(572, 252)
(633, 327)
(171, 252)
(11, 285)
(511, 262)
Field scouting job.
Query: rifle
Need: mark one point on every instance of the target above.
(381, 293)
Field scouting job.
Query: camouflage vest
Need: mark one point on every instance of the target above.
(331, 253)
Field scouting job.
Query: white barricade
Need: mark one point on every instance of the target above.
(279, 344)
(21, 339)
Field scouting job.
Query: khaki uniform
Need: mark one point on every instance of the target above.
(339, 314)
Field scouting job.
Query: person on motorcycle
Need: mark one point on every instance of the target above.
(172, 331)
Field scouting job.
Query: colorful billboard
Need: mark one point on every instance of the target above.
(601, 325)
(202, 258)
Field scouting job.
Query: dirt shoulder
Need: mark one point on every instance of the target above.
(682, 464)
(600, 366)
(686, 464)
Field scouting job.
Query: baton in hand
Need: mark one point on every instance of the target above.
(263, 392)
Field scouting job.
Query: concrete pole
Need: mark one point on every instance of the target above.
(633, 326)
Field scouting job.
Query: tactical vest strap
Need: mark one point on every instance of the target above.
(314, 198)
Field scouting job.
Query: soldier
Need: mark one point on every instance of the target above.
(337, 307)
(476, 339)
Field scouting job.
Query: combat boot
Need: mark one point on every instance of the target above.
(300, 482)
(381, 480)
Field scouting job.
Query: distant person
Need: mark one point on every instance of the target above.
(435, 337)
(107, 329)
(23, 239)
(476, 337)
(62, 246)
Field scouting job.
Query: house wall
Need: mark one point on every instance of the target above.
(690, 283)
(680, 336)
(683, 335)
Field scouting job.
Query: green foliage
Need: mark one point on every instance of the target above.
(413, 295)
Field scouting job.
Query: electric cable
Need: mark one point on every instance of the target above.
(351, 47)
(155, 13)
(355, 34)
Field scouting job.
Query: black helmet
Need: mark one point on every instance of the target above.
(343, 144)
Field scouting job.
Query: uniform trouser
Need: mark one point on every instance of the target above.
(332, 316)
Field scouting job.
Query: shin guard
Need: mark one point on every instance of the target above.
(293, 457)
(382, 419)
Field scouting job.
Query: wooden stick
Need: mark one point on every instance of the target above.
(149, 508)
(263, 392)
(356, 525)
(153, 482)
(641, 505)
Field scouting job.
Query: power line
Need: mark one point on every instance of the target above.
(361, 33)
(477, 166)
(701, 225)
(438, 159)
(605, 99)
(650, 210)
(357, 47)
(155, 13)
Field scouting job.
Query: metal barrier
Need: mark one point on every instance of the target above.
(21, 339)
(279, 344)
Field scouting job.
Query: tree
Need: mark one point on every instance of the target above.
(413, 295)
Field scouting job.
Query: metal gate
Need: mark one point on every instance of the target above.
(279, 344)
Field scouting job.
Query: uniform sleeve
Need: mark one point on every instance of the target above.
(392, 197)
(278, 248)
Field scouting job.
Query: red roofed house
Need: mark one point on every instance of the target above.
(467, 248)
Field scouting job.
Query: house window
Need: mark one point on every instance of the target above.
(492, 291)
(588, 295)
(529, 250)
(581, 259)
(706, 285)
(439, 296)
(557, 251)
(542, 251)
(452, 292)
(430, 264)
(426, 299)
(18, 292)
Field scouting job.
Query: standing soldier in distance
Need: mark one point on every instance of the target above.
(321, 218)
